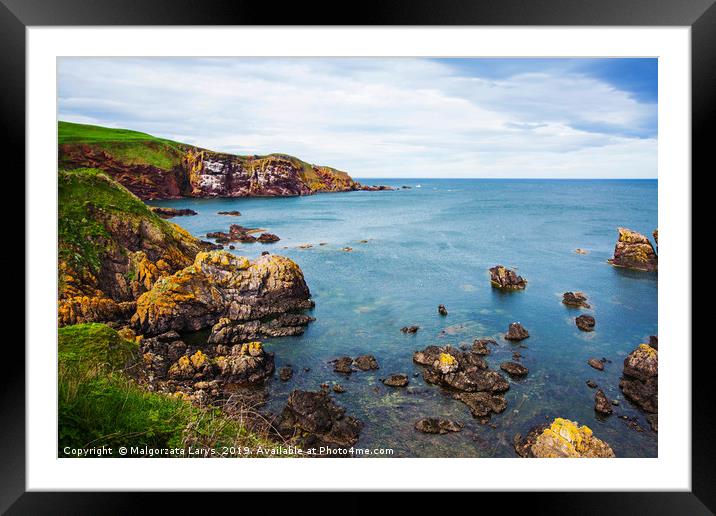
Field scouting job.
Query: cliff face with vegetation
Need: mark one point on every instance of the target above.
(155, 168)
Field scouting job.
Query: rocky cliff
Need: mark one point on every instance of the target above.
(155, 168)
(119, 261)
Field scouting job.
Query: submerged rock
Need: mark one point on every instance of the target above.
(434, 425)
(507, 279)
(285, 373)
(581, 251)
(396, 380)
(514, 369)
(410, 329)
(516, 332)
(221, 285)
(338, 388)
(442, 310)
(634, 251)
(482, 404)
(315, 420)
(479, 346)
(592, 384)
(601, 403)
(640, 380)
(562, 438)
(585, 322)
(576, 299)
(234, 213)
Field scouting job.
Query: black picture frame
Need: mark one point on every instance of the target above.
(700, 15)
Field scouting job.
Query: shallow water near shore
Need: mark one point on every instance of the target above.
(433, 244)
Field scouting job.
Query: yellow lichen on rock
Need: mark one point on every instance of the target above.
(565, 438)
(198, 359)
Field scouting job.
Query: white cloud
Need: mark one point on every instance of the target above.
(372, 117)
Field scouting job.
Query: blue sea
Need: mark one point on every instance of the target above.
(433, 244)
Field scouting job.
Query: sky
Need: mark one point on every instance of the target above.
(387, 117)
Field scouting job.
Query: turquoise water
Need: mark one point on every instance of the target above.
(432, 245)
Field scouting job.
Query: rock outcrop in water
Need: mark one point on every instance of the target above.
(154, 168)
(313, 419)
(575, 299)
(562, 439)
(168, 213)
(634, 251)
(220, 285)
(467, 376)
(585, 322)
(506, 279)
(435, 425)
(516, 332)
(640, 380)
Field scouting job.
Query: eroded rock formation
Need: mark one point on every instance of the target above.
(634, 251)
(220, 285)
(640, 380)
(562, 439)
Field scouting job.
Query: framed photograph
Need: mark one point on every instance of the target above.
(424, 240)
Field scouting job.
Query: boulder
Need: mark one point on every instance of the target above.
(247, 364)
(516, 332)
(576, 299)
(315, 420)
(410, 329)
(601, 403)
(434, 425)
(640, 380)
(396, 380)
(634, 251)
(562, 439)
(366, 363)
(168, 213)
(585, 322)
(229, 331)
(479, 346)
(506, 279)
(221, 285)
(596, 363)
(482, 404)
(514, 369)
(442, 310)
(343, 365)
(268, 238)
(285, 373)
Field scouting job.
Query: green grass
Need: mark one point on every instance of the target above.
(100, 405)
(130, 147)
(80, 193)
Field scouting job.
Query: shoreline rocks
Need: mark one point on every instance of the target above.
(168, 213)
(506, 279)
(640, 380)
(561, 439)
(315, 420)
(514, 369)
(634, 251)
(221, 285)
